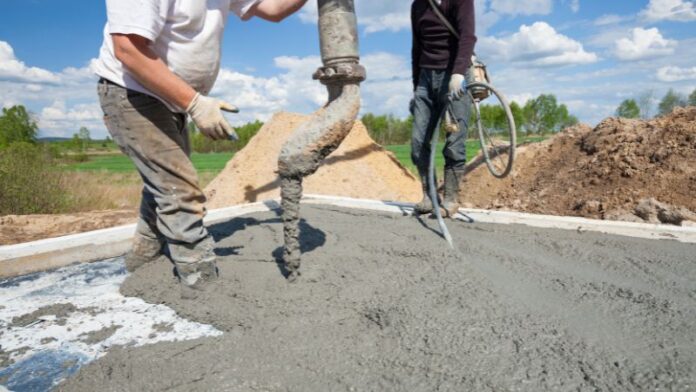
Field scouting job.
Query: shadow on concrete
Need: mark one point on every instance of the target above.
(311, 238)
(251, 194)
(420, 220)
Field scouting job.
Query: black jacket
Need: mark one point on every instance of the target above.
(434, 46)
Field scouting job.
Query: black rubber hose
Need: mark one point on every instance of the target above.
(432, 187)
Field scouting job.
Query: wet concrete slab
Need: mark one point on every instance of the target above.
(383, 304)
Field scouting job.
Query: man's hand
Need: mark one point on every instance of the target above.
(206, 113)
(457, 85)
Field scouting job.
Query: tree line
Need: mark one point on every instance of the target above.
(540, 115)
(642, 105)
(31, 178)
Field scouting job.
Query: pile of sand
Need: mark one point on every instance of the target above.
(622, 169)
(359, 168)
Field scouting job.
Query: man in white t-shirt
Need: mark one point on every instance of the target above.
(158, 62)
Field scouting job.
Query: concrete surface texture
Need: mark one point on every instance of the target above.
(384, 305)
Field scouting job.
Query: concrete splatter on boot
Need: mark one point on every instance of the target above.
(145, 250)
(196, 278)
(196, 267)
(453, 178)
(425, 206)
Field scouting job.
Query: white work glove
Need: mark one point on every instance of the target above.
(206, 113)
(457, 86)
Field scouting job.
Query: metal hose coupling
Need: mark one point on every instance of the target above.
(319, 136)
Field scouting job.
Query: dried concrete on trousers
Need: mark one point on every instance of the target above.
(382, 304)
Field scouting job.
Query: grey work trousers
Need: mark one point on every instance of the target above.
(431, 100)
(157, 141)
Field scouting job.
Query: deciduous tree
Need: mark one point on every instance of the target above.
(670, 101)
(628, 109)
(17, 125)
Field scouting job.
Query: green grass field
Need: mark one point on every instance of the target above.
(403, 152)
(120, 163)
(215, 162)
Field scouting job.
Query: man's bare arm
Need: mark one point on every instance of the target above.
(274, 10)
(150, 71)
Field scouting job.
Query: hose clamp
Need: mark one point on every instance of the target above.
(341, 73)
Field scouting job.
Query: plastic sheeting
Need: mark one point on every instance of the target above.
(52, 347)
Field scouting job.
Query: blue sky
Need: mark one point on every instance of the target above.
(591, 54)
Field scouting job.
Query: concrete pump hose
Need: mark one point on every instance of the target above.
(432, 187)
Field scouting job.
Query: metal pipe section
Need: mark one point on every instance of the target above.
(338, 32)
(318, 137)
(432, 186)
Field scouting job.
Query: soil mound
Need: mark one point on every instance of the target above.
(609, 172)
(359, 168)
(15, 229)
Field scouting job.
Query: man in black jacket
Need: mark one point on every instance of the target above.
(440, 63)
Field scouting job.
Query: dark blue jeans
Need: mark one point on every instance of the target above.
(430, 102)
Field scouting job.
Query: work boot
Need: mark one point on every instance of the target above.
(196, 267)
(145, 250)
(425, 206)
(453, 178)
(196, 278)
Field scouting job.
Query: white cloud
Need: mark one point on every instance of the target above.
(64, 100)
(517, 7)
(375, 16)
(537, 45)
(385, 66)
(672, 10)
(387, 89)
(394, 15)
(258, 97)
(60, 120)
(610, 19)
(676, 74)
(644, 44)
(521, 98)
(11, 69)
(575, 6)
(70, 101)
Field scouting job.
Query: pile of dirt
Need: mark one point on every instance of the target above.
(15, 229)
(359, 168)
(623, 169)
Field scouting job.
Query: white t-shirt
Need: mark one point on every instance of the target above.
(185, 34)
